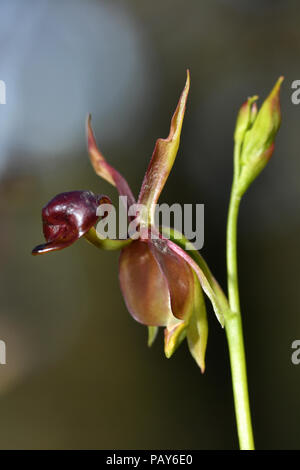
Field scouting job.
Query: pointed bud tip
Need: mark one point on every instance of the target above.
(273, 102)
(276, 89)
(279, 81)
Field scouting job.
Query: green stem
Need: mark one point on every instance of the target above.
(234, 333)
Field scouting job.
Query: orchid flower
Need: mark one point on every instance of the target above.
(162, 284)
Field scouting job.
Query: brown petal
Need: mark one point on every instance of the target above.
(143, 285)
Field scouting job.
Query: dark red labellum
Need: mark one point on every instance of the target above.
(67, 217)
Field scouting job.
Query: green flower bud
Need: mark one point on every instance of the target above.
(254, 135)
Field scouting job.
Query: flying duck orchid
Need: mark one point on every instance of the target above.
(163, 278)
(162, 284)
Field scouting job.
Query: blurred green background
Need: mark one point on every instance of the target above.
(79, 373)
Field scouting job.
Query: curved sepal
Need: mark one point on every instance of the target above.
(103, 169)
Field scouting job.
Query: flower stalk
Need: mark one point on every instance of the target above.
(254, 137)
(234, 334)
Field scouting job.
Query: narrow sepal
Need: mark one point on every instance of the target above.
(163, 157)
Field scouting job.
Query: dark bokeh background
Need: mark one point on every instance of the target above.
(79, 373)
